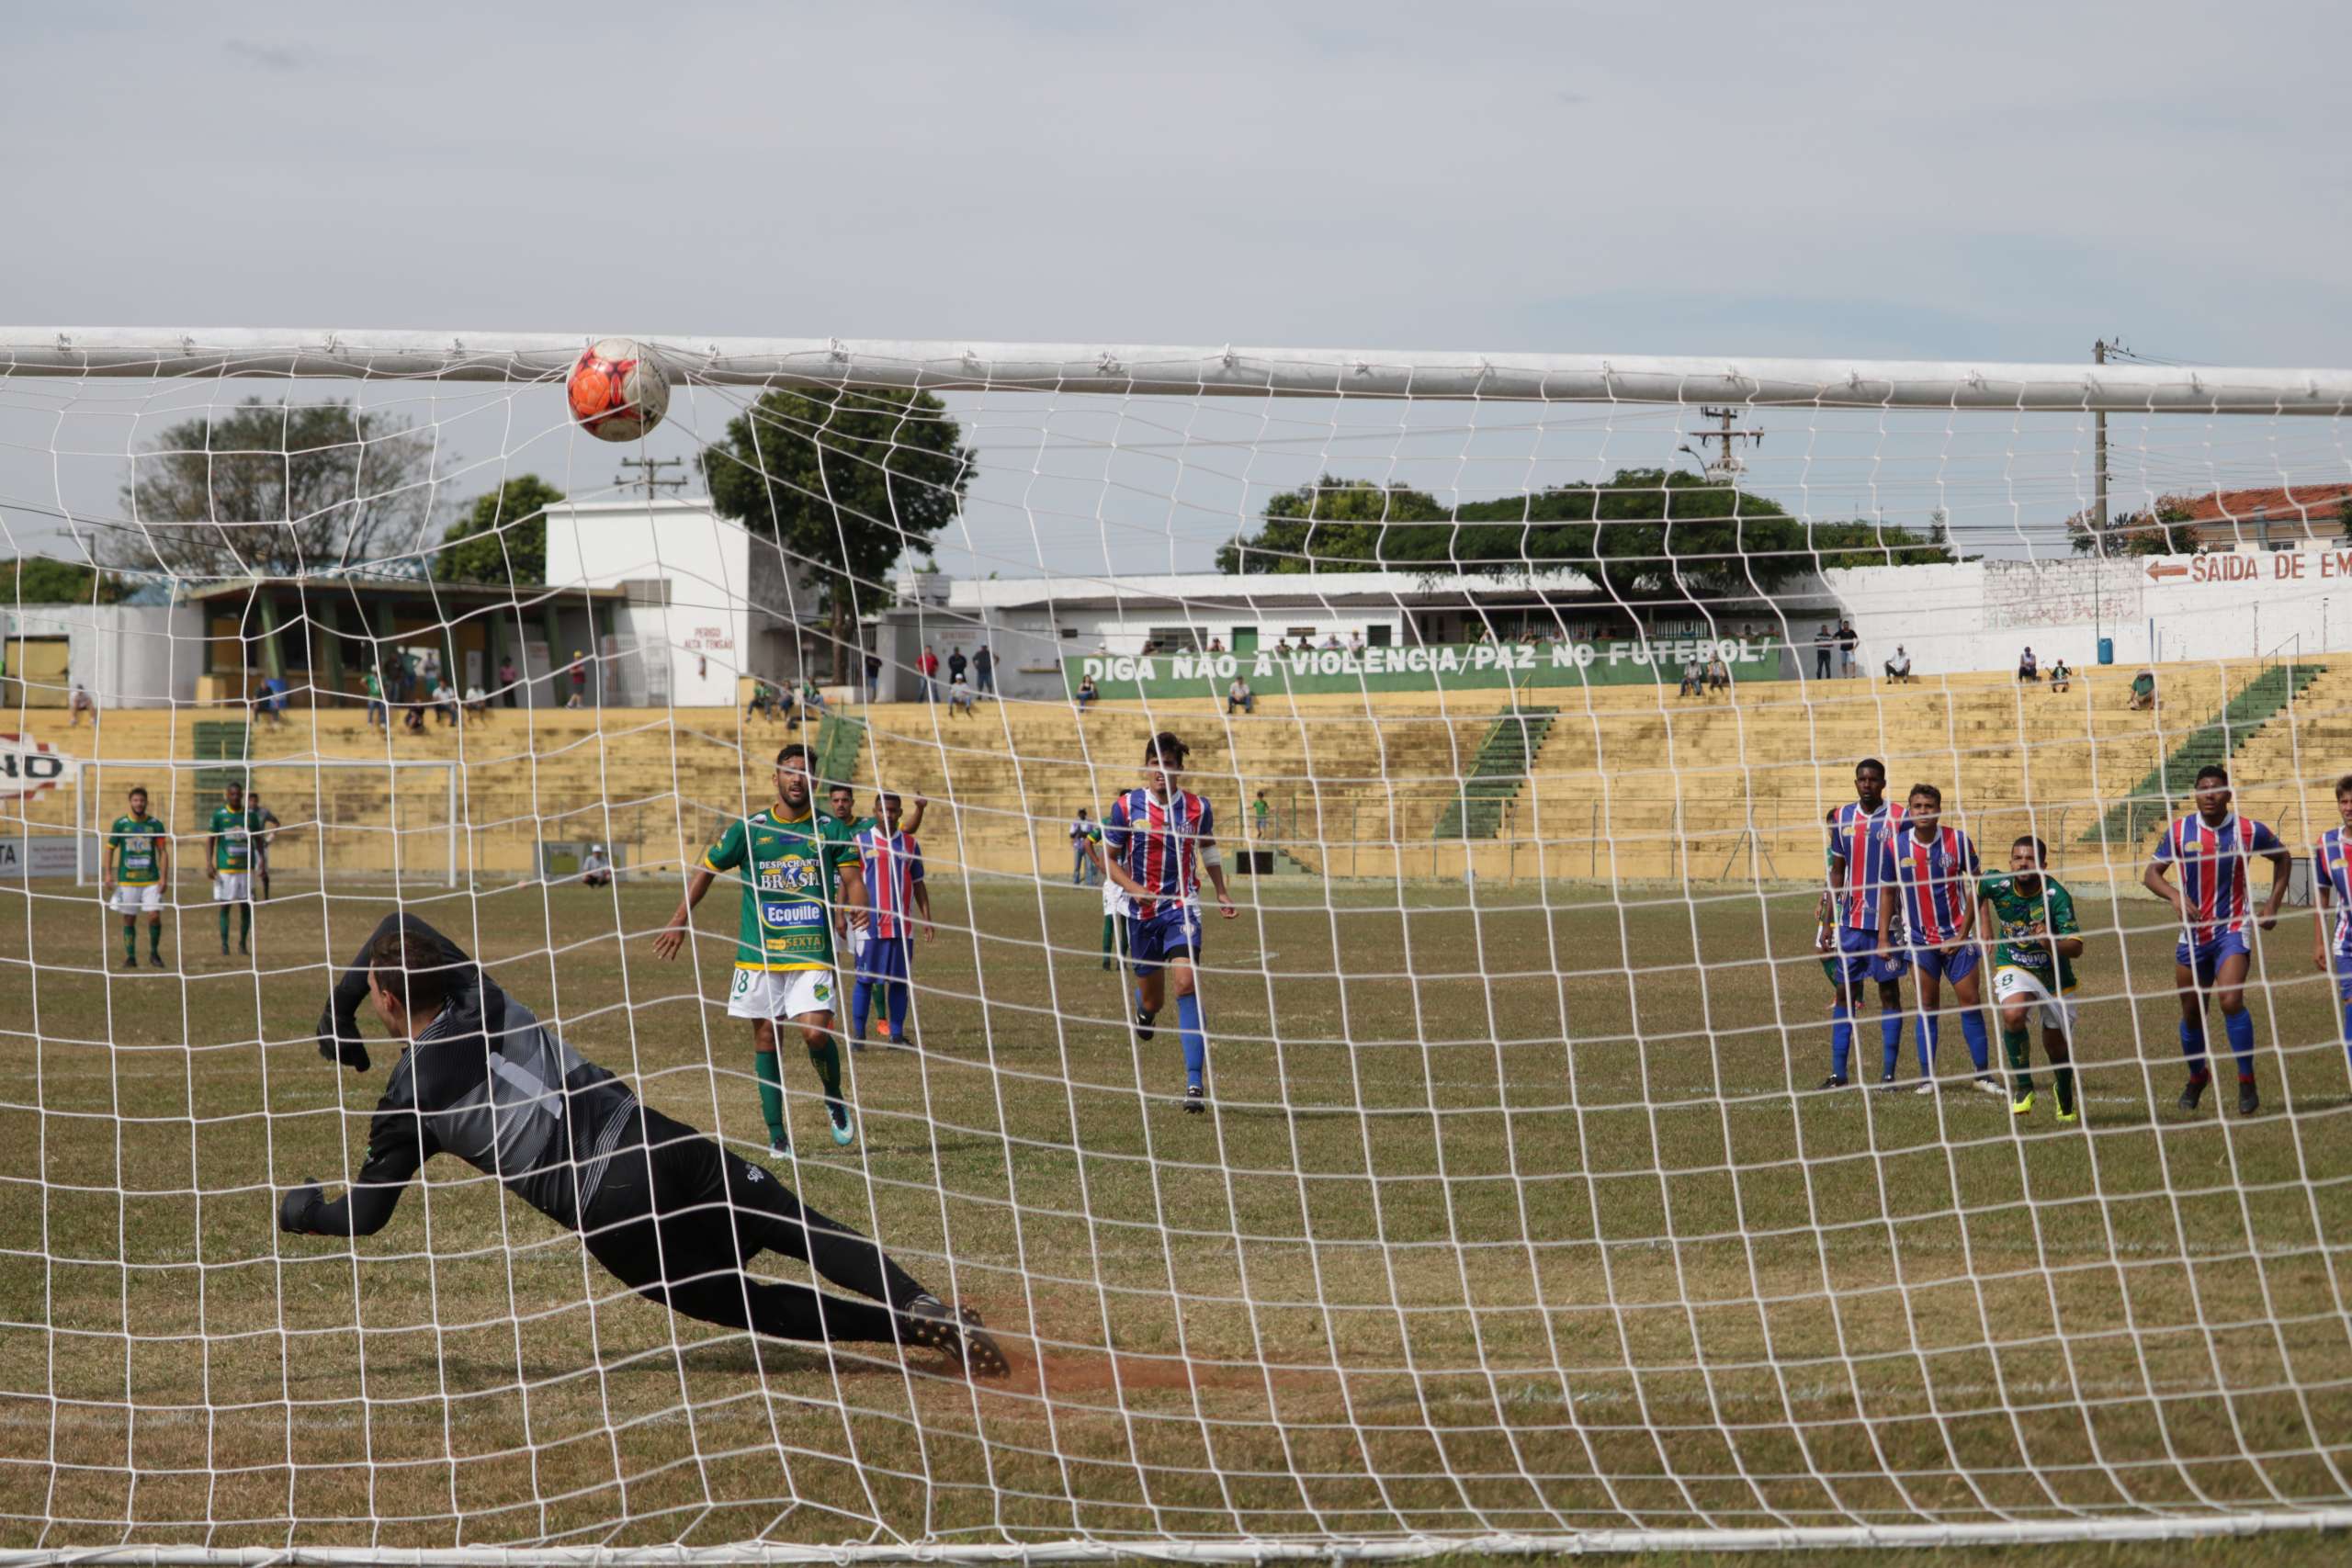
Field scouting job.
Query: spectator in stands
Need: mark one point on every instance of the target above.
(1694, 678)
(812, 701)
(763, 702)
(1718, 674)
(1261, 815)
(429, 669)
(83, 704)
(2143, 690)
(1822, 641)
(984, 670)
(2028, 668)
(444, 704)
(1282, 645)
(272, 705)
(1898, 669)
(1331, 642)
(1086, 695)
(2061, 678)
(578, 679)
(1082, 864)
(412, 717)
(595, 868)
(873, 678)
(373, 684)
(1239, 696)
(507, 679)
(929, 665)
(959, 698)
(476, 702)
(1216, 645)
(956, 664)
(1355, 641)
(1849, 639)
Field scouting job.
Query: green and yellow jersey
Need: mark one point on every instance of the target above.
(138, 850)
(233, 831)
(2020, 922)
(787, 866)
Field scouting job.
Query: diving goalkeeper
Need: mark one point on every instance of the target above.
(667, 1211)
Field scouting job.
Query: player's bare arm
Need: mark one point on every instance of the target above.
(674, 936)
(2282, 866)
(2319, 924)
(2155, 880)
(1212, 862)
(923, 907)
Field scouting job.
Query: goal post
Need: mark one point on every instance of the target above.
(1491, 1116)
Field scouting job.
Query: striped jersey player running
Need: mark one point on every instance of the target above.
(1156, 841)
(1936, 867)
(1861, 868)
(2212, 847)
(895, 899)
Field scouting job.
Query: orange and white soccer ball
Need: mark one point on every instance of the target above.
(617, 393)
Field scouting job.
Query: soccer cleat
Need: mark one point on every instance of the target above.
(844, 1133)
(1196, 1101)
(2193, 1093)
(1887, 1084)
(931, 1321)
(1987, 1084)
(2065, 1117)
(2249, 1101)
(1108, 967)
(779, 1148)
(131, 960)
(1927, 1086)
(1835, 1081)
(2022, 1105)
(1142, 1023)
(857, 1042)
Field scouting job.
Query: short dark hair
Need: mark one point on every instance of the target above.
(135, 789)
(2344, 786)
(795, 750)
(1166, 749)
(2213, 771)
(838, 787)
(1931, 791)
(2040, 850)
(411, 969)
(1869, 764)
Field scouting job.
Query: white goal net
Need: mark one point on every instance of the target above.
(1539, 1075)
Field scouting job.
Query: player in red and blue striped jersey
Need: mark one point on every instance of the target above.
(1861, 869)
(1936, 867)
(1157, 840)
(2212, 847)
(2332, 940)
(896, 899)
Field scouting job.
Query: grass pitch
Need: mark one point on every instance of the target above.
(1512, 1218)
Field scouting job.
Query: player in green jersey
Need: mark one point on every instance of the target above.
(2030, 920)
(236, 827)
(138, 864)
(789, 858)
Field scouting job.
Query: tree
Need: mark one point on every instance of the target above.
(1337, 525)
(502, 537)
(276, 489)
(38, 579)
(2163, 530)
(844, 484)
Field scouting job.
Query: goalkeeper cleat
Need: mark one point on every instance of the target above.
(2022, 1105)
(2193, 1093)
(2249, 1101)
(1196, 1101)
(844, 1133)
(928, 1321)
(1142, 1023)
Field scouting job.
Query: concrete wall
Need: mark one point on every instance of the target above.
(126, 655)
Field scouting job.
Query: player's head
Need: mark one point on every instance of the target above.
(2212, 791)
(138, 798)
(886, 806)
(2343, 799)
(1926, 805)
(792, 776)
(234, 792)
(407, 981)
(842, 801)
(1163, 761)
(2028, 855)
(1870, 782)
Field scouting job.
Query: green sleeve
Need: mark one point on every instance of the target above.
(843, 840)
(2061, 913)
(728, 853)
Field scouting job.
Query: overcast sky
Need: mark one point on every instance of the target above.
(1988, 181)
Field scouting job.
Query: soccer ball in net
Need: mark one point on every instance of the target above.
(618, 394)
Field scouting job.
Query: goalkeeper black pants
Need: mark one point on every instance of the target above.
(676, 1218)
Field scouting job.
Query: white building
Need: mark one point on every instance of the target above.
(124, 654)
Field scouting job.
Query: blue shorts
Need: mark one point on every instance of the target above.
(1170, 934)
(2340, 964)
(1861, 960)
(2207, 955)
(886, 958)
(1935, 964)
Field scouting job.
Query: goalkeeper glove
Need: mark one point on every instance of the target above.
(335, 1046)
(294, 1216)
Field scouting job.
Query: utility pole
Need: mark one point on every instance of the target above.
(1725, 466)
(2098, 460)
(649, 477)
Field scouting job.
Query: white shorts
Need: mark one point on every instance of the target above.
(132, 898)
(233, 886)
(2012, 985)
(781, 993)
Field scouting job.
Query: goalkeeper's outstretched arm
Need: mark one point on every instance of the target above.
(339, 1036)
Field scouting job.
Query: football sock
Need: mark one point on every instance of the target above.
(861, 1001)
(1106, 936)
(1890, 1036)
(2240, 1025)
(224, 928)
(1196, 1044)
(2017, 1046)
(2063, 1073)
(2192, 1045)
(131, 947)
(155, 940)
(1972, 1029)
(828, 1059)
(901, 996)
(1926, 1039)
(1841, 1038)
(245, 924)
(771, 1092)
